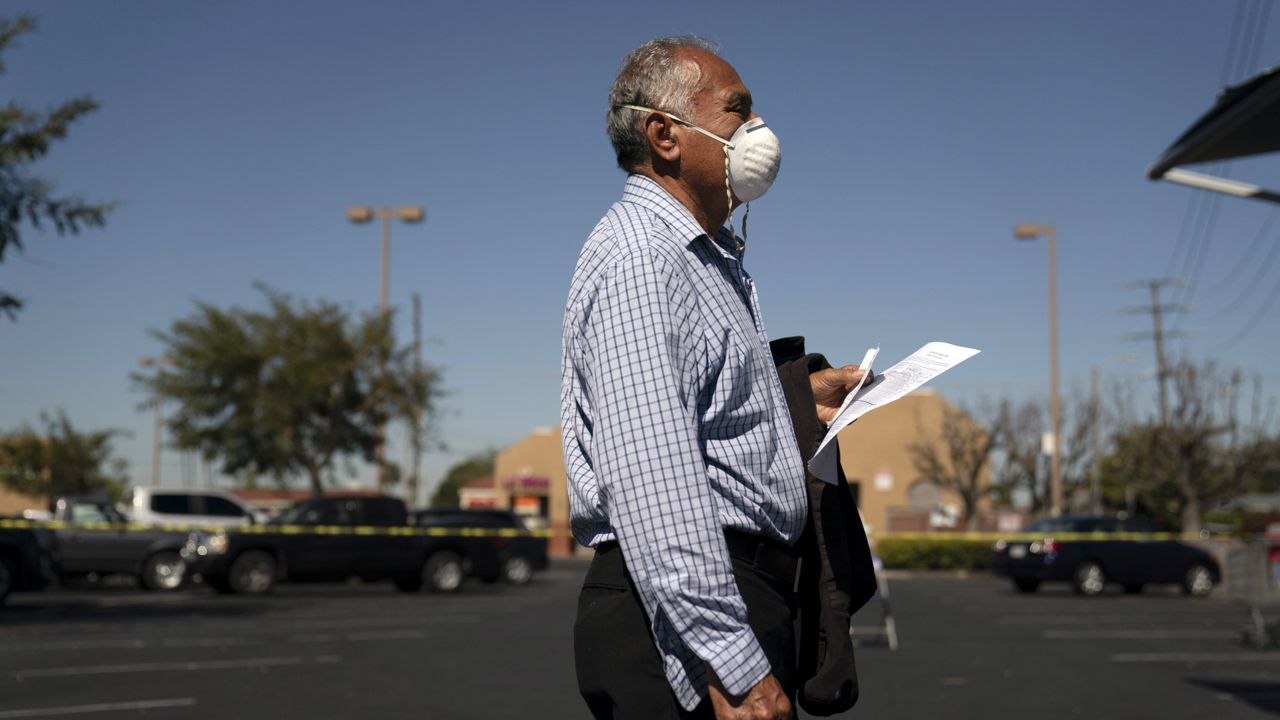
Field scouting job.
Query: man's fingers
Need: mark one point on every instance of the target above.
(852, 374)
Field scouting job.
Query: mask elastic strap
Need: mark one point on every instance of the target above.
(728, 197)
(686, 123)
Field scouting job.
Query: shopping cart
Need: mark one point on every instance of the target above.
(1253, 578)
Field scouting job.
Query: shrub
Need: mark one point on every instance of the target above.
(934, 553)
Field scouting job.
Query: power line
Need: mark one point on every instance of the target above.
(1236, 30)
(1257, 317)
(1199, 222)
(1259, 270)
(1252, 50)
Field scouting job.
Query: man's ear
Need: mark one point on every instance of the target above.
(663, 145)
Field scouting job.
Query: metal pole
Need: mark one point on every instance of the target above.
(381, 447)
(1162, 370)
(386, 260)
(155, 440)
(1095, 485)
(1055, 477)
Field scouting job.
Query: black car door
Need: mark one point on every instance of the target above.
(321, 551)
(99, 542)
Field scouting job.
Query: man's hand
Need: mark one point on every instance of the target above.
(765, 701)
(830, 387)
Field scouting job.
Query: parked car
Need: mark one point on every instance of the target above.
(512, 554)
(26, 561)
(353, 536)
(92, 539)
(1089, 564)
(151, 506)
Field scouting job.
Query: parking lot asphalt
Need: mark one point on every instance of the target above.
(969, 648)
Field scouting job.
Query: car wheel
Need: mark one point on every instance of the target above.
(253, 572)
(8, 577)
(1026, 585)
(1089, 579)
(442, 572)
(164, 571)
(1133, 588)
(517, 570)
(1198, 582)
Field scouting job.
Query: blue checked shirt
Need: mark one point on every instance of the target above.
(675, 428)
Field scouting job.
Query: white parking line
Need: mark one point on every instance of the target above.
(174, 666)
(1089, 619)
(126, 644)
(99, 707)
(373, 622)
(387, 635)
(1140, 634)
(1272, 657)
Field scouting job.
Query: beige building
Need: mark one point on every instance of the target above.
(12, 503)
(875, 455)
(529, 476)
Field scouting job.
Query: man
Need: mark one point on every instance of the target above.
(684, 471)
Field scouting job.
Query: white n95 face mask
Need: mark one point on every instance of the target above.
(752, 155)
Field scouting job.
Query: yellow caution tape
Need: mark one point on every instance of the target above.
(267, 529)
(1041, 536)
(412, 531)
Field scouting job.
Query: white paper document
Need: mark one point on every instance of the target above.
(917, 369)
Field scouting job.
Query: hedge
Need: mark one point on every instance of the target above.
(934, 553)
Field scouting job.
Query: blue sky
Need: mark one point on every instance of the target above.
(914, 137)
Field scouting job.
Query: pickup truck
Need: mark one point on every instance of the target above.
(330, 538)
(507, 550)
(25, 559)
(93, 539)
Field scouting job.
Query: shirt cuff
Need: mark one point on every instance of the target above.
(741, 664)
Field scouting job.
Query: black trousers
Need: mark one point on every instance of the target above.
(620, 673)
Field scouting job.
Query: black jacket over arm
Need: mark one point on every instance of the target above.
(836, 575)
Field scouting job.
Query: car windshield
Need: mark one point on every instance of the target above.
(89, 513)
(1076, 524)
(291, 515)
(1057, 524)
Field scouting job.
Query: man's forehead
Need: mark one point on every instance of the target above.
(718, 79)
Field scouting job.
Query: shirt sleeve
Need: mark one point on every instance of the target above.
(645, 352)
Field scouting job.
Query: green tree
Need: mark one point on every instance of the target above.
(476, 466)
(60, 460)
(25, 137)
(287, 391)
(1207, 452)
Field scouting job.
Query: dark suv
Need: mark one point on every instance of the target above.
(508, 550)
(1090, 551)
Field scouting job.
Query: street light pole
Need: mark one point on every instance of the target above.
(1031, 232)
(147, 361)
(362, 214)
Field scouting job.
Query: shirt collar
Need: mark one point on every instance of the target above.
(647, 193)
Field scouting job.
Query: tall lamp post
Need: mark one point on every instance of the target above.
(1028, 231)
(361, 214)
(148, 361)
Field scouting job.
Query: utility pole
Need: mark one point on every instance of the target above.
(1158, 334)
(415, 443)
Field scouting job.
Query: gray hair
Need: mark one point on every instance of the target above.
(653, 76)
